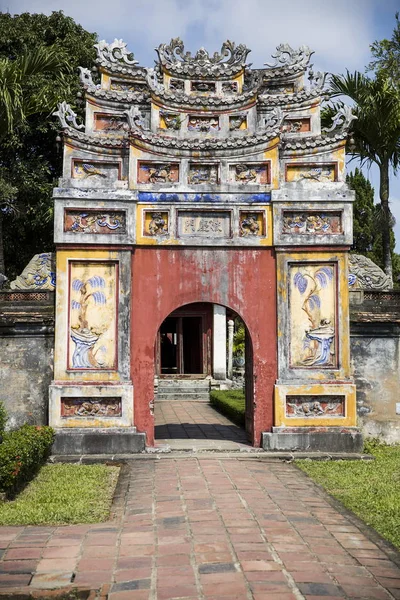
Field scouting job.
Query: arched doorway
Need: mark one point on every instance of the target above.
(193, 356)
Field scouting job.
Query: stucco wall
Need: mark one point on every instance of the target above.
(26, 358)
(375, 355)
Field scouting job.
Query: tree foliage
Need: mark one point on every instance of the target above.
(29, 161)
(367, 234)
(386, 55)
(376, 135)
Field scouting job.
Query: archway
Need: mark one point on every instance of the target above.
(193, 357)
(165, 279)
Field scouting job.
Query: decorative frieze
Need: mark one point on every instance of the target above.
(314, 406)
(96, 170)
(177, 85)
(215, 224)
(151, 172)
(203, 87)
(278, 89)
(93, 294)
(230, 87)
(252, 224)
(203, 123)
(202, 173)
(91, 407)
(296, 125)
(313, 306)
(155, 223)
(312, 223)
(249, 173)
(238, 121)
(322, 173)
(170, 120)
(93, 221)
(108, 123)
(119, 85)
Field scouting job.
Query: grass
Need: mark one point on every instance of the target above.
(230, 403)
(371, 489)
(63, 494)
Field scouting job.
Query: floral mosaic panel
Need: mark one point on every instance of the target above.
(91, 407)
(314, 223)
(312, 306)
(91, 221)
(93, 294)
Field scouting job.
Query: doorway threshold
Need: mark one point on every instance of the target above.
(195, 445)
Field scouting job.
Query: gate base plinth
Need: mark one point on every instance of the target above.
(91, 440)
(313, 439)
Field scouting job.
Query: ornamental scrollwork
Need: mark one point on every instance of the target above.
(342, 119)
(364, 274)
(115, 52)
(67, 116)
(286, 56)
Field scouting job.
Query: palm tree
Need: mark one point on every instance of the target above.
(376, 135)
(25, 89)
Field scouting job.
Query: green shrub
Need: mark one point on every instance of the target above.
(3, 418)
(21, 455)
(230, 403)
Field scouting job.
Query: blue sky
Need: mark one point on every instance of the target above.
(340, 32)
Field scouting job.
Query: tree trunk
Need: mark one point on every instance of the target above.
(2, 265)
(387, 219)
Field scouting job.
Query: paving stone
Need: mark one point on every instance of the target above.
(136, 584)
(217, 568)
(51, 580)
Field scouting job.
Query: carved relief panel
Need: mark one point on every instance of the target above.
(152, 172)
(313, 309)
(170, 120)
(293, 125)
(95, 170)
(203, 123)
(238, 121)
(176, 85)
(93, 221)
(312, 407)
(323, 173)
(203, 87)
(252, 224)
(91, 407)
(202, 173)
(92, 316)
(215, 224)
(315, 223)
(155, 223)
(249, 173)
(229, 87)
(127, 86)
(112, 124)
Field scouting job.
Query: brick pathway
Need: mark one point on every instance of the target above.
(208, 528)
(196, 421)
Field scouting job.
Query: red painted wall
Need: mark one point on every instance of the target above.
(164, 279)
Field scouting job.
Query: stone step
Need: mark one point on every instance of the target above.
(181, 397)
(184, 384)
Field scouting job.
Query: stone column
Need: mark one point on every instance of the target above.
(231, 326)
(219, 342)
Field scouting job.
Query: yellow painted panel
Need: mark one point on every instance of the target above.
(313, 403)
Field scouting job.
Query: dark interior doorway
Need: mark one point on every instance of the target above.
(181, 348)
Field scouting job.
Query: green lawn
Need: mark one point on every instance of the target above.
(63, 494)
(230, 403)
(371, 489)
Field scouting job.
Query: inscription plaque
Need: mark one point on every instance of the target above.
(204, 224)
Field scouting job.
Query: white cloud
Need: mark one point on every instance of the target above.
(340, 33)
